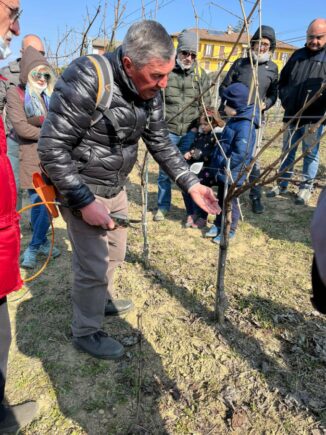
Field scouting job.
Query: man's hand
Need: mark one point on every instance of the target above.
(204, 197)
(97, 214)
(188, 155)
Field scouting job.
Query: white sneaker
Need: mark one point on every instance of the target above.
(213, 231)
(303, 197)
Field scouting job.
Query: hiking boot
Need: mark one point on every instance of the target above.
(45, 250)
(277, 190)
(218, 238)
(99, 345)
(29, 259)
(213, 231)
(303, 197)
(256, 206)
(117, 307)
(159, 216)
(18, 416)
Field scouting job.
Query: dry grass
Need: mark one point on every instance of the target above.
(263, 374)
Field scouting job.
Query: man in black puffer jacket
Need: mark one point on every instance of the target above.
(263, 44)
(300, 79)
(89, 164)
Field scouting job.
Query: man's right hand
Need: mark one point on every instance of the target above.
(97, 214)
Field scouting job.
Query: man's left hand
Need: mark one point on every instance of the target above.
(205, 198)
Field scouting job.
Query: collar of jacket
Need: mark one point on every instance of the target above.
(14, 66)
(317, 56)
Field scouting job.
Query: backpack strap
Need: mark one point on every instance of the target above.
(105, 86)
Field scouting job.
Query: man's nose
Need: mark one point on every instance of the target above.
(163, 82)
(15, 28)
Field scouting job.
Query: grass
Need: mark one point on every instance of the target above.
(264, 373)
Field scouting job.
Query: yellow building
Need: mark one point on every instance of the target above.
(215, 47)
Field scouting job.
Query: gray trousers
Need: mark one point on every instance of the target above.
(95, 255)
(5, 340)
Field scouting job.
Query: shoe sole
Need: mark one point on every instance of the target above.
(119, 313)
(106, 357)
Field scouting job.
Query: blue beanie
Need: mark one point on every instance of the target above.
(236, 96)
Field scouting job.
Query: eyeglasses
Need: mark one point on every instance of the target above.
(188, 53)
(263, 44)
(15, 13)
(40, 76)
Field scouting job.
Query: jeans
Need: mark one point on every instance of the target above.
(310, 161)
(164, 183)
(39, 219)
(234, 207)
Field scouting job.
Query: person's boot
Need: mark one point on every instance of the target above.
(256, 206)
(29, 258)
(18, 416)
(99, 345)
(159, 216)
(303, 197)
(117, 307)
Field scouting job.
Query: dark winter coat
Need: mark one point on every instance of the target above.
(183, 87)
(301, 77)
(82, 159)
(241, 72)
(238, 141)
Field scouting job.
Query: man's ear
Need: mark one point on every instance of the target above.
(127, 65)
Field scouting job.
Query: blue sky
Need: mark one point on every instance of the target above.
(50, 19)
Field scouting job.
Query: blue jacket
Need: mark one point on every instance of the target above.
(238, 141)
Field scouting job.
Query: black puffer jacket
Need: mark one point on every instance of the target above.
(241, 72)
(79, 158)
(300, 79)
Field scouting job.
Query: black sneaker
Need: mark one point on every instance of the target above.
(99, 345)
(256, 206)
(117, 307)
(18, 416)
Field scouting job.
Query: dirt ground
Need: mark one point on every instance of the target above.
(263, 373)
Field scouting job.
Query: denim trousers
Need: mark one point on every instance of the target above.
(164, 183)
(39, 219)
(310, 160)
(234, 207)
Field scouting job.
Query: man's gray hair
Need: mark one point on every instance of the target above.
(147, 40)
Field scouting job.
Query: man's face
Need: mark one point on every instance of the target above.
(151, 78)
(316, 36)
(263, 46)
(187, 58)
(9, 24)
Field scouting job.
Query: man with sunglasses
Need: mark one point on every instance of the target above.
(300, 79)
(12, 418)
(11, 72)
(186, 82)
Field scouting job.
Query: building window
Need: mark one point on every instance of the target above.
(274, 57)
(207, 65)
(285, 57)
(221, 52)
(208, 50)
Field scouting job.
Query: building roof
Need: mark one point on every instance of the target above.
(220, 36)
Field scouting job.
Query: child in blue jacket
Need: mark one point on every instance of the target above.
(237, 140)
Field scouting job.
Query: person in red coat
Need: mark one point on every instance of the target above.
(12, 418)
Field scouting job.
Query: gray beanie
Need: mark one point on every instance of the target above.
(187, 41)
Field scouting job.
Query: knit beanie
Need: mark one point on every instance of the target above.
(266, 32)
(187, 41)
(236, 96)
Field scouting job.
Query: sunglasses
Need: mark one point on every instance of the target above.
(188, 53)
(41, 76)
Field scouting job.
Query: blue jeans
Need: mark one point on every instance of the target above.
(39, 219)
(310, 161)
(164, 183)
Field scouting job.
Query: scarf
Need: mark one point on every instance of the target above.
(32, 104)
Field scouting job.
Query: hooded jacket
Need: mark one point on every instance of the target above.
(300, 79)
(83, 160)
(10, 279)
(27, 134)
(238, 141)
(184, 85)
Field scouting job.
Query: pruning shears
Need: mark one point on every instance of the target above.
(122, 221)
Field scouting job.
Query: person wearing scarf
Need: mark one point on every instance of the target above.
(28, 104)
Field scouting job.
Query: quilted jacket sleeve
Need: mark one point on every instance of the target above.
(71, 108)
